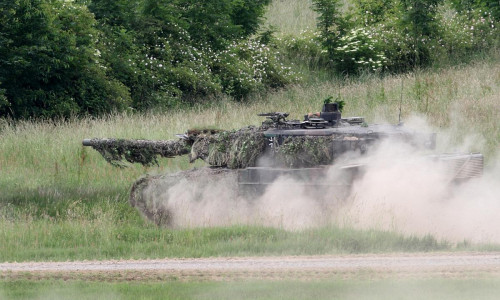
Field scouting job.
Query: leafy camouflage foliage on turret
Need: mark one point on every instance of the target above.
(305, 151)
(145, 152)
(230, 149)
(225, 149)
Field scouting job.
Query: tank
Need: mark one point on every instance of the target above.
(255, 157)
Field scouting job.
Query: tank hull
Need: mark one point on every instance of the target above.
(457, 167)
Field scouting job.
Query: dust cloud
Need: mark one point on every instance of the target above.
(400, 190)
(414, 195)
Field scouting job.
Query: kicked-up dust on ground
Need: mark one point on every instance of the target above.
(400, 189)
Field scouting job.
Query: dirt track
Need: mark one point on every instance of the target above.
(455, 265)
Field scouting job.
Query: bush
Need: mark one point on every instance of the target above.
(401, 35)
(50, 65)
(471, 7)
(57, 58)
(459, 37)
(305, 48)
(358, 50)
(463, 35)
(249, 66)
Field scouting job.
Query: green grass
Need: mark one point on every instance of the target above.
(105, 238)
(327, 289)
(62, 201)
(290, 17)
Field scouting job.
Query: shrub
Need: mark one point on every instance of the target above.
(471, 7)
(358, 50)
(305, 48)
(57, 58)
(395, 45)
(466, 34)
(50, 65)
(250, 66)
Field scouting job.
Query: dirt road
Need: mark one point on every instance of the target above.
(456, 265)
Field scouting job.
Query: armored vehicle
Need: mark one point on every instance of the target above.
(302, 150)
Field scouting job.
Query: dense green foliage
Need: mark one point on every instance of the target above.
(469, 7)
(60, 58)
(399, 35)
(418, 21)
(63, 58)
(49, 62)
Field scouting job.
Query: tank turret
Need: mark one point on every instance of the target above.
(319, 139)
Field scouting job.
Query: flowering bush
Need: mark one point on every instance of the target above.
(458, 37)
(401, 35)
(398, 47)
(358, 50)
(249, 66)
(464, 34)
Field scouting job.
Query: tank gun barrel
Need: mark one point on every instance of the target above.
(96, 142)
(87, 142)
(137, 151)
(231, 149)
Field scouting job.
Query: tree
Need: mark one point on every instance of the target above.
(50, 65)
(248, 14)
(418, 19)
(331, 24)
(372, 12)
(113, 12)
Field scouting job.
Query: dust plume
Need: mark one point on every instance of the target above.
(401, 189)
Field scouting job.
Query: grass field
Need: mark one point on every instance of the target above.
(62, 201)
(290, 17)
(326, 289)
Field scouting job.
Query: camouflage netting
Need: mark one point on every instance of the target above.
(231, 149)
(228, 149)
(138, 151)
(304, 151)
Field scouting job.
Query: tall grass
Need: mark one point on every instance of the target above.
(290, 16)
(59, 200)
(36, 154)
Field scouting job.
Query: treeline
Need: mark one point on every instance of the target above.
(399, 35)
(60, 58)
